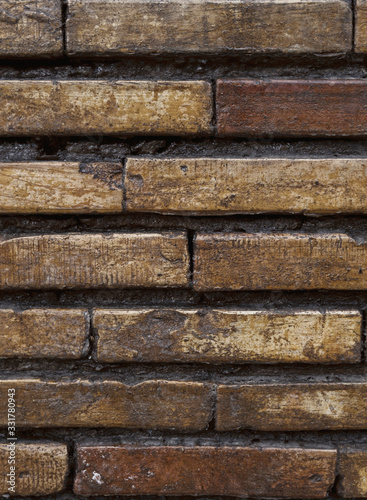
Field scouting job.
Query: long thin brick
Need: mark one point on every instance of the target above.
(227, 336)
(44, 333)
(292, 108)
(361, 26)
(99, 27)
(60, 187)
(95, 261)
(239, 261)
(204, 470)
(225, 185)
(30, 28)
(292, 407)
(40, 468)
(353, 472)
(154, 404)
(33, 107)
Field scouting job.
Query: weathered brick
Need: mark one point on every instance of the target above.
(32, 107)
(204, 470)
(361, 26)
(292, 407)
(239, 261)
(54, 187)
(30, 28)
(291, 108)
(353, 472)
(43, 333)
(153, 404)
(95, 260)
(41, 468)
(227, 336)
(225, 185)
(126, 26)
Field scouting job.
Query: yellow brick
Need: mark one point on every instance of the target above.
(353, 472)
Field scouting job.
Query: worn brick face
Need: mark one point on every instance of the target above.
(361, 26)
(353, 472)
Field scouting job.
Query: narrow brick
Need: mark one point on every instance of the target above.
(361, 26)
(44, 333)
(32, 107)
(223, 185)
(292, 108)
(95, 261)
(353, 472)
(292, 407)
(204, 470)
(239, 261)
(227, 336)
(30, 28)
(99, 27)
(153, 404)
(40, 468)
(60, 187)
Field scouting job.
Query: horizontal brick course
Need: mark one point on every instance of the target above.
(227, 336)
(204, 470)
(109, 27)
(352, 472)
(292, 108)
(265, 261)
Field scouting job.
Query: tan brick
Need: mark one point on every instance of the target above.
(204, 470)
(30, 28)
(189, 26)
(95, 260)
(353, 473)
(31, 107)
(361, 26)
(225, 185)
(40, 468)
(55, 187)
(292, 407)
(153, 404)
(239, 261)
(227, 336)
(43, 333)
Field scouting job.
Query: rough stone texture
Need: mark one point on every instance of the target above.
(31, 107)
(238, 261)
(95, 261)
(204, 470)
(153, 404)
(58, 187)
(353, 473)
(227, 336)
(361, 26)
(44, 333)
(30, 28)
(292, 407)
(224, 185)
(290, 108)
(40, 468)
(196, 26)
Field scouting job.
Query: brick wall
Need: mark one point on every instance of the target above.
(183, 248)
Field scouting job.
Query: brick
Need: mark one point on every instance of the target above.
(353, 472)
(361, 26)
(292, 407)
(60, 187)
(225, 185)
(41, 468)
(153, 404)
(227, 336)
(95, 261)
(44, 333)
(204, 470)
(292, 108)
(239, 261)
(32, 107)
(30, 28)
(97, 27)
